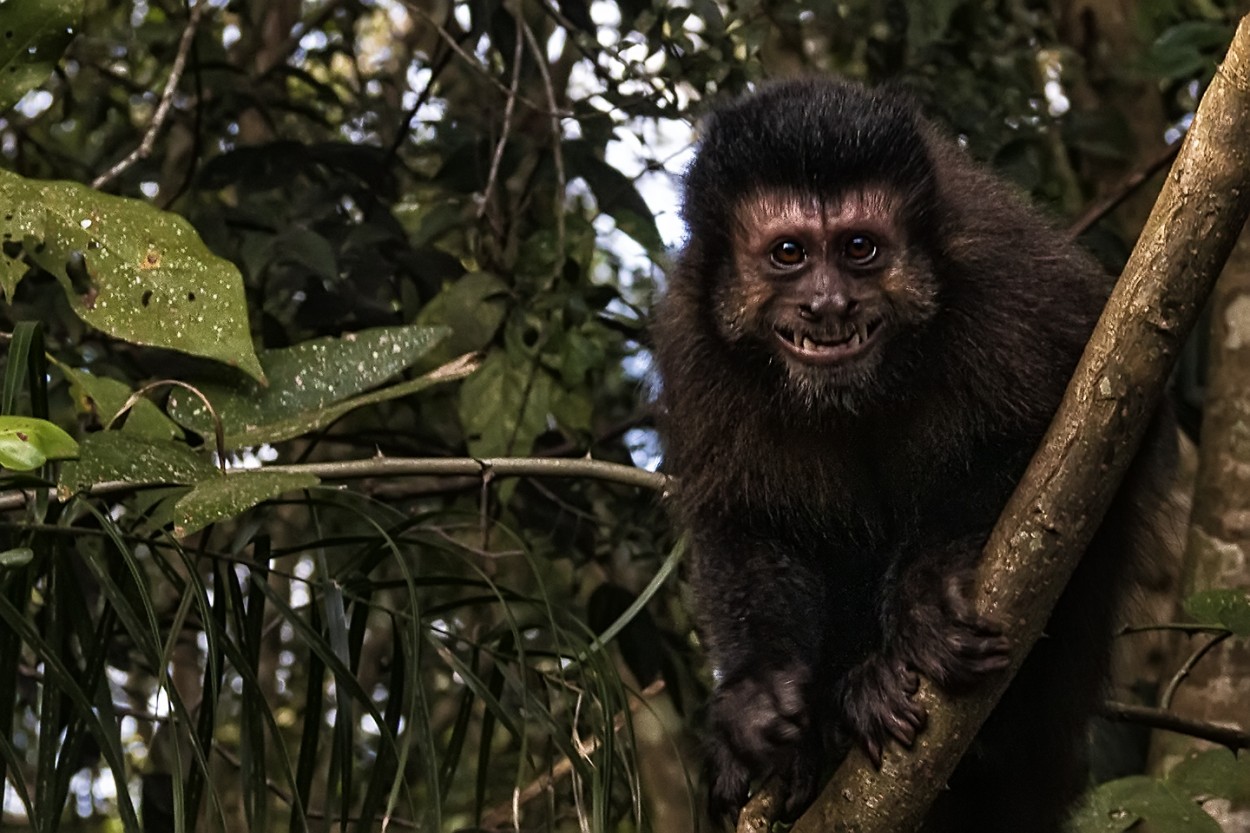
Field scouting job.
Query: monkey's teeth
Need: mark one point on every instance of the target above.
(807, 343)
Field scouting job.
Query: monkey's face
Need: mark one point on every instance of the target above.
(825, 286)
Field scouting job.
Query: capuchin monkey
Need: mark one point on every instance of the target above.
(859, 350)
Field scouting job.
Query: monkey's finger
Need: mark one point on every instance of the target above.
(872, 749)
(904, 724)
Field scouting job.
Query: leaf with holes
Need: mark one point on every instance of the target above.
(19, 213)
(32, 38)
(219, 498)
(27, 443)
(135, 272)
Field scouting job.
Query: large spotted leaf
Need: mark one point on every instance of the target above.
(314, 383)
(135, 272)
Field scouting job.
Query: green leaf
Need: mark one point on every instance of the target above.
(1117, 805)
(473, 307)
(616, 195)
(504, 406)
(1226, 608)
(308, 249)
(27, 443)
(1188, 49)
(109, 456)
(103, 398)
(927, 23)
(219, 498)
(32, 37)
(18, 557)
(310, 384)
(1214, 772)
(133, 271)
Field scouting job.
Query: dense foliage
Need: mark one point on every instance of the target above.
(257, 231)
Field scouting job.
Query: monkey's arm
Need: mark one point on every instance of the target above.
(929, 627)
(762, 611)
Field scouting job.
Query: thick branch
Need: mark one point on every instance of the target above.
(1072, 479)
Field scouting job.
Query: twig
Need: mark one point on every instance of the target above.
(1123, 191)
(438, 63)
(509, 108)
(557, 156)
(167, 98)
(500, 815)
(1165, 699)
(1231, 736)
(472, 61)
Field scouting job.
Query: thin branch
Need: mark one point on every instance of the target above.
(1123, 191)
(1232, 737)
(451, 41)
(509, 108)
(557, 154)
(1165, 699)
(167, 99)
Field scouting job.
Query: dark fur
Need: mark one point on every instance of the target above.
(835, 536)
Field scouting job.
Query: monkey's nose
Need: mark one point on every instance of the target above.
(833, 304)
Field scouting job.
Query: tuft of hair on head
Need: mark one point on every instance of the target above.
(816, 135)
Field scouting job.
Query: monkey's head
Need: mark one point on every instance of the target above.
(809, 208)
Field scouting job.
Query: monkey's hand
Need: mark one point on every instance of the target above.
(944, 638)
(875, 703)
(937, 634)
(760, 724)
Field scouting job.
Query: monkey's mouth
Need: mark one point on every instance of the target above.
(828, 348)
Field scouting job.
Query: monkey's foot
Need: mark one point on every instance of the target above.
(758, 726)
(876, 705)
(761, 715)
(949, 642)
(796, 778)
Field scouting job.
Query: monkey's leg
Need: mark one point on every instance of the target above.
(761, 606)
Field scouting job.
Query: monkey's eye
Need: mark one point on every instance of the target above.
(860, 249)
(788, 253)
